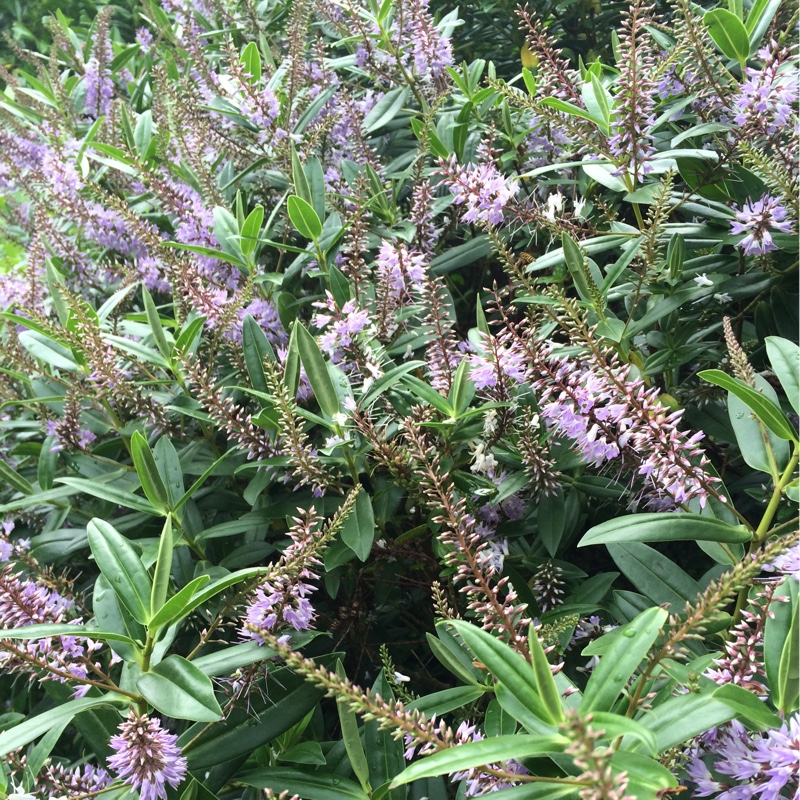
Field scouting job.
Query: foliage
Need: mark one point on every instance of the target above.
(327, 356)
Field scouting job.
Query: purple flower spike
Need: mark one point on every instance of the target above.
(147, 757)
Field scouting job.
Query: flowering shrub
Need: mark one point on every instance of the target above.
(328, 356)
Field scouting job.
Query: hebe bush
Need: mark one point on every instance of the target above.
(332, 363)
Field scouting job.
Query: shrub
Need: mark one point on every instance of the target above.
(329, 356)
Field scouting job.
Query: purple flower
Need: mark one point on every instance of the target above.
(282, 602)
(787, 563)
(756, 218)
(481, 189)
(144, 39)
(764, 765)
(147, 757)
(343, 325)
(499, 359)
(767, 96)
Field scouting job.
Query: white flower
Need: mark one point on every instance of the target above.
(577, 207)
(723, 297)
(555, 204)
(483, 461)
(339, 418)
(702, 280)
(400, 678)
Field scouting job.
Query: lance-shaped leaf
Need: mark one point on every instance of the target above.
(770, 414)
(122, 567)
(477, 754)
(148, 472)
(785, 359)
(621, 660)
(158, 594)
(32, 728)
(177, 688)
(317, 370)
(664, 528)
(46, 630)
(508, 666)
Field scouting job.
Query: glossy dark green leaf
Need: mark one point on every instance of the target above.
(173, 609)
(384, 752)
(654, 575)
(243, 732)
(33, 727)
(122, 568)
(308, 785)
(476, 754)
(768, 412)
(621, 660)
(251, 229)
(664, 528)
(358, 530)
(47, 630)
(507, 666)
(316, 370)
(112, 494)
(351, 737)
(781, 645)
(148, 472)
(550, 518)
(178, 689)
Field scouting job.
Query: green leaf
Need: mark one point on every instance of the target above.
(47, 630)
(303, 217)
(309, 785)
(244, 731)
(202, 479)
(178, 689)
(785, 359)
(571, 109)
(447, 700)
(550, 518)
(747, 707)
(148, 472)
(122, 567)
(236, 260)
(386, 109)
(508, 667)
(251, 60)
(172, 610)
(255, 348)
(544, 677)
(759, 18)
(230, 658)
(384, 753)
(728, 33)
(770, 414)
(575, 263)
(616, 725)
(679, 719)
(316, 370)
(119, 497)
(34, 727)
(621, 660)
(655, 575)
(14, 479)
(352, 738)
(760, 448)
(251, 228)
(358, 530)
(155, 324)
(161, 578)
(677, 527)
(477, 754)
(780, 646)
